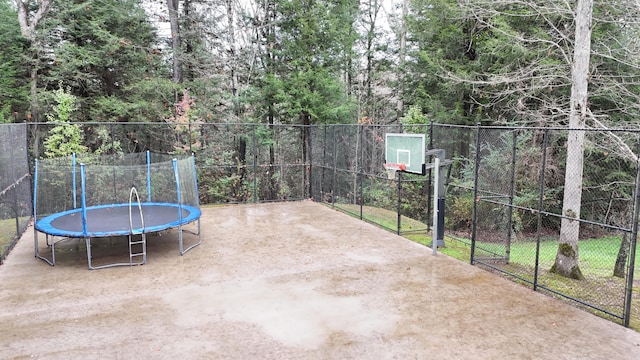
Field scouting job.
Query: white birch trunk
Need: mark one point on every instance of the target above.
(28, 21)
(566, 262)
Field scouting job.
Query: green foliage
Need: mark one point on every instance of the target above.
(441, 46)
(482, 61)
(414, 116)
(13, 76)
(64, 138)
(105, 52)
(223, 183)
(301, 82)
(459, 212)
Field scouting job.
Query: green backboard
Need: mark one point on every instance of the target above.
(407, 149)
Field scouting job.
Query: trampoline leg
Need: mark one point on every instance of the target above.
(51, 262)
(182, 252)
(180, 239)
(88, 242)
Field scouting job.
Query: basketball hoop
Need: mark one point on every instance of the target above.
(392, 168)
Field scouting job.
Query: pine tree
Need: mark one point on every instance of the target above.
(14, 89)
(105, 52)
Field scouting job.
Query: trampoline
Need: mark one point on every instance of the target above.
(110, 202)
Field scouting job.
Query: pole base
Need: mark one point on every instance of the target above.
(439, 242)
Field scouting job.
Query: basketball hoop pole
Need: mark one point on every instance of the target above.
(439, 194)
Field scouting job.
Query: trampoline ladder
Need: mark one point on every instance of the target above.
(141, 245)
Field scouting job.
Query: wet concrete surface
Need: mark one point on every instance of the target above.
(291, 280)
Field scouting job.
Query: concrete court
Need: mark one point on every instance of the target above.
(291, 280)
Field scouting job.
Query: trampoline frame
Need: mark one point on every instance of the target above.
(44, 225)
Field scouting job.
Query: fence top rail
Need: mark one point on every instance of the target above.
(394, 126)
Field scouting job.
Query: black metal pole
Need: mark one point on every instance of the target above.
(255, 165)
(335, 167)
(540, 209)
(113, 145)
(323, 189)
(429, 179)
(399, 224)
(360, 128)
(15, 180)
(474, 215)
(514, 148)
(632, 255)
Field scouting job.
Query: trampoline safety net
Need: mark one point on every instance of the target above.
(134, 194)
(109, 180)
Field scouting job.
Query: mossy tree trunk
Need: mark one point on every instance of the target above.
(566, 263)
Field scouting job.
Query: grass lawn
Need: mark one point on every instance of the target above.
(8, 233)
(597, 259)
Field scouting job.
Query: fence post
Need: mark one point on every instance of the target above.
(399, 209)
(429, 178)
(15, 184)
(335, 167)
(356, 172)
(514, 150)
(324, 161)
(474, 216)
(540, 209)
(632, 255)
(113, 144)
(255, 164)
(308, 160)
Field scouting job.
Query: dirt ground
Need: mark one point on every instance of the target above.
(285, 281)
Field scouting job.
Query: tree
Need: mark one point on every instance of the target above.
(172, 7)
(14, 90)
(308, 86)
(521, 54)
(64, 138)
(443, 50)
(403, 51)
(104, 52)
(380, 79)
(30, 15)
(566, 262)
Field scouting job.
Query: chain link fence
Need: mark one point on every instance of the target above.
(237, 163)
(503, 203)
(504, 189)
(15, 186)
(519, 179)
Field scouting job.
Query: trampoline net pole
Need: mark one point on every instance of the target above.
(148, 176)
(73, 180)
(84, 201)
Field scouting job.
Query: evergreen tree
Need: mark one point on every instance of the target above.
(301, 80)
(443, 41)
(105, 52)
(14, 89)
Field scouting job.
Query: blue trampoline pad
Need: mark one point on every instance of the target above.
(114, 219)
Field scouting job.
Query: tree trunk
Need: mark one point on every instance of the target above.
(621, 260)
(28, 22)
(402, 60)
(566, 263)
(233, 63)
(172, 6)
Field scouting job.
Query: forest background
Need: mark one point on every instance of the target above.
(539, 63)
(316, 61)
